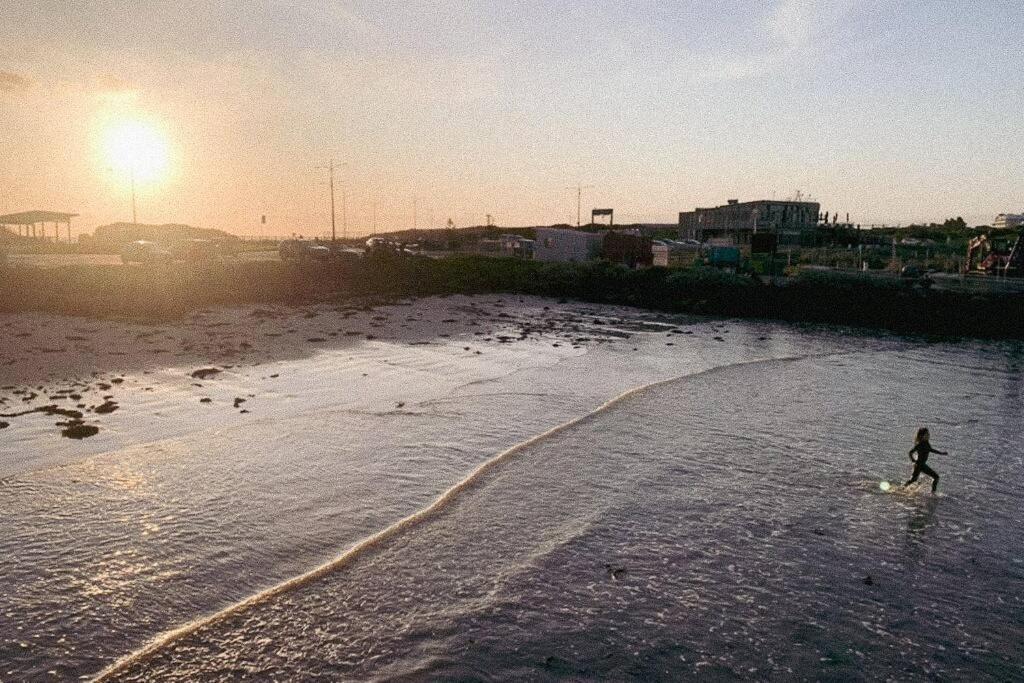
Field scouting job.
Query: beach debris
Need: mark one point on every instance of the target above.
(205, 373)
(206, 399)
(4, 425)
(238, 402)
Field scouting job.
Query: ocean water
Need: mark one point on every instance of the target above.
(709, 508)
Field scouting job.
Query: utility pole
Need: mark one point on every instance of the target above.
(374, 217)
(330, 168)
(414, 213)
(135, 220)
(579, 199)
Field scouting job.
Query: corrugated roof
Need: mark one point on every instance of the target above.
(30, 217)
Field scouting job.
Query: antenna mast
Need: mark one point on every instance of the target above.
(579, 199)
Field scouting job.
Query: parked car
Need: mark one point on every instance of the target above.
(144, 251)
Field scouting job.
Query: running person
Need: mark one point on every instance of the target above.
(922, 448)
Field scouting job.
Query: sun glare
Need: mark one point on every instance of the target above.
(136, 148)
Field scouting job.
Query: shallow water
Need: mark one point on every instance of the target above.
(724, 523)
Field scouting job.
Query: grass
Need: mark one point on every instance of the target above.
(169, 291)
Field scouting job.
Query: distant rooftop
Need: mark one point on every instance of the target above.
(33, 217)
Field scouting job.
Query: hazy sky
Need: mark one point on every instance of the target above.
(892, 111)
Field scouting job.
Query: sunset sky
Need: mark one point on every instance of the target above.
(892, 111)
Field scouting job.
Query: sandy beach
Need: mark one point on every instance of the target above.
(649, 479)
(121, 382)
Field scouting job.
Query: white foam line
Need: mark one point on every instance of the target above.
(170, 637)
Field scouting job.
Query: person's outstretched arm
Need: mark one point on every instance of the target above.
(937, 451)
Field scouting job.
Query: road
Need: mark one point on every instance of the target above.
(57, 260)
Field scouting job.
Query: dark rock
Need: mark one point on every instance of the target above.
(79, 431)
(205, 373)
(105, 407)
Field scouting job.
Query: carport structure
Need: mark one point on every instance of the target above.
(33, 223)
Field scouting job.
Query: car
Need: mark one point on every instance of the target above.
(144, 251)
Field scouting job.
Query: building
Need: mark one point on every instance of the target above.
(736, 221)
(507, 245)
(1008, 220)
(628, 248)
(669, 253)
(559, 244)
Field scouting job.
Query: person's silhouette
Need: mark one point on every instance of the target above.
(922, 447)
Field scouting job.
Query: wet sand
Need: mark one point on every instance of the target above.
(89, 380)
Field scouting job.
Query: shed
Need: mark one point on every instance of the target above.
(33, 223)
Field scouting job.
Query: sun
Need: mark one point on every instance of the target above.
(136, 148)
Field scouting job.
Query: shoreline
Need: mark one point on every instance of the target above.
(116, 381)
(165, 293)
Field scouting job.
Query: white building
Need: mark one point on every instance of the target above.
(559, 244)
(1008, 220)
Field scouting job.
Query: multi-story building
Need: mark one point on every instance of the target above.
(736, 221)
(1008, 220)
